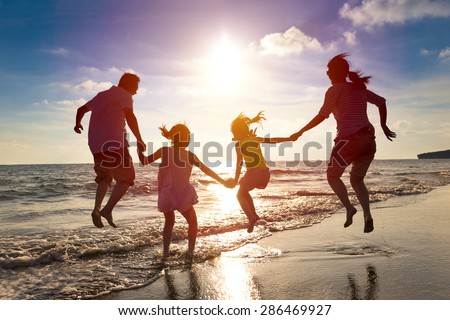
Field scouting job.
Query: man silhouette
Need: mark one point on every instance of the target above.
(111, 110)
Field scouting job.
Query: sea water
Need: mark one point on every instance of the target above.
(51, 250)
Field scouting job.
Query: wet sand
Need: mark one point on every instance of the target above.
(405, 258)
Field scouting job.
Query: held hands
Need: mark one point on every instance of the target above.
(229, 183)
(295, 136)
(388, 133)
(142, 158)
(141, 147)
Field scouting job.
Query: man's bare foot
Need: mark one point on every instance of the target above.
(96, 219)
(108, 217)
(350, 214)
(368, 226)
(251, 223)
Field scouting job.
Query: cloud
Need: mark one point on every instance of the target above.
(350, 38)
(425, 52)
(62, 52)
(444, 55)
(373, 13)
(292, 41)
(88, 86)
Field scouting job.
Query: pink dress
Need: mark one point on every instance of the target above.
(174, 189)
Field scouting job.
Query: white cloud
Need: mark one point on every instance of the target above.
(444, 55)
(350, 38)
(62, 52)
(425, 52)
(379, 12)
(68, 104)
(88, 86)
(292, 41)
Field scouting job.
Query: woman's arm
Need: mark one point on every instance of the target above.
(318, 119)
(382, 109)
(275, 140)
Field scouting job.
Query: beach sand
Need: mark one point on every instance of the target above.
(407, 257)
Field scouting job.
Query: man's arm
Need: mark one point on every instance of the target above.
(149, 159)
(134, 127)
(81, 111)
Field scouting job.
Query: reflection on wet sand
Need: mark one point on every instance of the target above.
(220, 279)
(174, 294)
(353, 290)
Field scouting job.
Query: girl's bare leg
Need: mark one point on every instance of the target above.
(247, 205)
(191, 218)
(167, 233)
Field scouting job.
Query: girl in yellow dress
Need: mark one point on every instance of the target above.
(248, 151)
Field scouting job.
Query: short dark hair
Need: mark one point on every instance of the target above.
(128, 79)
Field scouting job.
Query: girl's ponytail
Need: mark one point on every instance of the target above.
(165, 133)
(240, 125)
(257, 119)
(179, 134)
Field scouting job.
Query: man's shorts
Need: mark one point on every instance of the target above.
(117, 165)
(358, 149)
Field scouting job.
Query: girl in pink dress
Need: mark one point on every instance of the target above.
(174, 189)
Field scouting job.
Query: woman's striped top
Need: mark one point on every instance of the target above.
(348, 103)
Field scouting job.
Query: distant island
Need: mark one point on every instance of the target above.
(435, 155)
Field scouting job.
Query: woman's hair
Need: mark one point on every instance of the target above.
(179, 134)
(240, 126)
(338, 66)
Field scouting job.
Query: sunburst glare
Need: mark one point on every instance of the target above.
(225, 66)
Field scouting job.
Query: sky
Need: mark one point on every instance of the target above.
(202, 62)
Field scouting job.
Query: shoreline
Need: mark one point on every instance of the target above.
(405, 258)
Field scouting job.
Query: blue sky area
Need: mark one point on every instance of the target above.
(204, 61)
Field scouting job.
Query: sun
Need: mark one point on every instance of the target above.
(225, 66)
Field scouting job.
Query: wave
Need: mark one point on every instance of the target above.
(312, 193)
(130, 255)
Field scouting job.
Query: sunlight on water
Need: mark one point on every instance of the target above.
(225, 199)
(238, 282)
(231, 280)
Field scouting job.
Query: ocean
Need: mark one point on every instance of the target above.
(51, 250)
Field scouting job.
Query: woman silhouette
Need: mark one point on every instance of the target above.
(355, 138)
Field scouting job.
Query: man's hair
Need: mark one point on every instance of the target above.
(128, 79)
